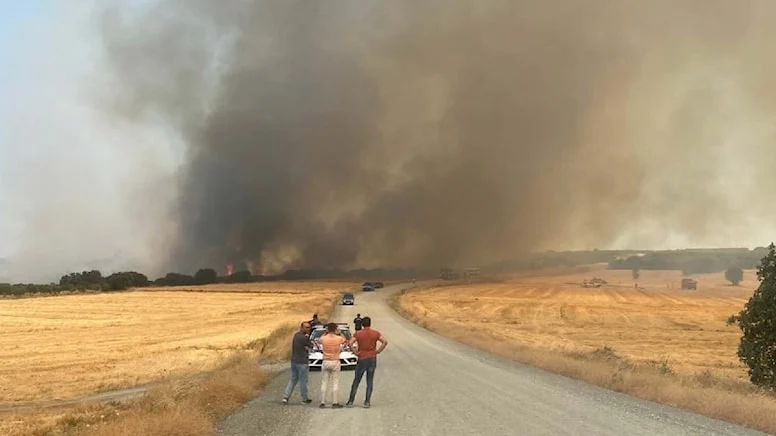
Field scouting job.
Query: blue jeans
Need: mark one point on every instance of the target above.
(299, 373)
(364, 365)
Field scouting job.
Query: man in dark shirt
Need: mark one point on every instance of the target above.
(300, 366)
(358, 322)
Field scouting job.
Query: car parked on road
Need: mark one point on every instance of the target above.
(367, 287)
(347, 358)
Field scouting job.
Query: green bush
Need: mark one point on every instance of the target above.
(205, 276)
(734, 275)
(757, 321)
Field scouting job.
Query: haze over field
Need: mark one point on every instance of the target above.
(361, 133)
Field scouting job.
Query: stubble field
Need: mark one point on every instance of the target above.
(654, 341)
(656, 323)
(69, 346)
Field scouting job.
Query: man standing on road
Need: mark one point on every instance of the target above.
(315, 321)
(367, 352)
(331, 343)
(357, 322)
(300, 365)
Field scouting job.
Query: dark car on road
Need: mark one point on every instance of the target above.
(367, 287)
(348, 299)
(378, 285)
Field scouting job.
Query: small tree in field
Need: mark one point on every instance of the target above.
(734, 275)
(757, 347)
(636, 273)
(205, 276)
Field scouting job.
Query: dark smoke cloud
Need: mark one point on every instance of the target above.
(365, 133)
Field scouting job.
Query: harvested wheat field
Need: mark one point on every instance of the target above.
(654, 323)
(69, 346)
(278, 287)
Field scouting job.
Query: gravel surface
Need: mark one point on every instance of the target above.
(428, 385)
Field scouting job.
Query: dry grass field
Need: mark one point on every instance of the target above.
(63, 347)
(655, 341)
(197, 347)
(652, 323)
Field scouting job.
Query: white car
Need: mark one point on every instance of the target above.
(315, 358)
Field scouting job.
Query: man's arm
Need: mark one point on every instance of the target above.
(383, 343)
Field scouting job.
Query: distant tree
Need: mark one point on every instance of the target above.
(205, 276)
(734, 275)
(125, 280)
(242, 276)
(117, 282)
(175, 279)
(84, 280)
(757, 321)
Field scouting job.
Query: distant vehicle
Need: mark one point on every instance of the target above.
(367, 287)
(689, 284)
(348, 299)
(315, 358)
(379, 285)
(595, 282)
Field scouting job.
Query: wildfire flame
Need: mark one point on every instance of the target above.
(229, 269)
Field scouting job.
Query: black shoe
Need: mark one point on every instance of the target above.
(336, 406)
(349, 404)
(367, 405)
(307, 401)
(322, 406)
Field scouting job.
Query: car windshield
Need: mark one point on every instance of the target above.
(316, 334)
(348, 296)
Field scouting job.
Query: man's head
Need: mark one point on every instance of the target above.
(315, 316)
(358, 315)
(305, 327)
(366, 321)
(331, 327)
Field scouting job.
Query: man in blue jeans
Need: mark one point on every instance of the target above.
(300, 365)
(367, 351)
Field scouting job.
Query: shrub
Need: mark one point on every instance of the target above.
(734, 275)
(757, 347)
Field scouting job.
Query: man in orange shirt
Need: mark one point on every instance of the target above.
(367, 340)
(331, 343)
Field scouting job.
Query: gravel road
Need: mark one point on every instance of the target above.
(428, 385)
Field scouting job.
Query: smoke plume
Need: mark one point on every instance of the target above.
(360, 133)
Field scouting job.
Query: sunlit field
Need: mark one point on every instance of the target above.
(647, 338)
(656, 322)
(68, 346)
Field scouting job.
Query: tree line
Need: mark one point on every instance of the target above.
(691, 261)
(688, 261)
(95, 281)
